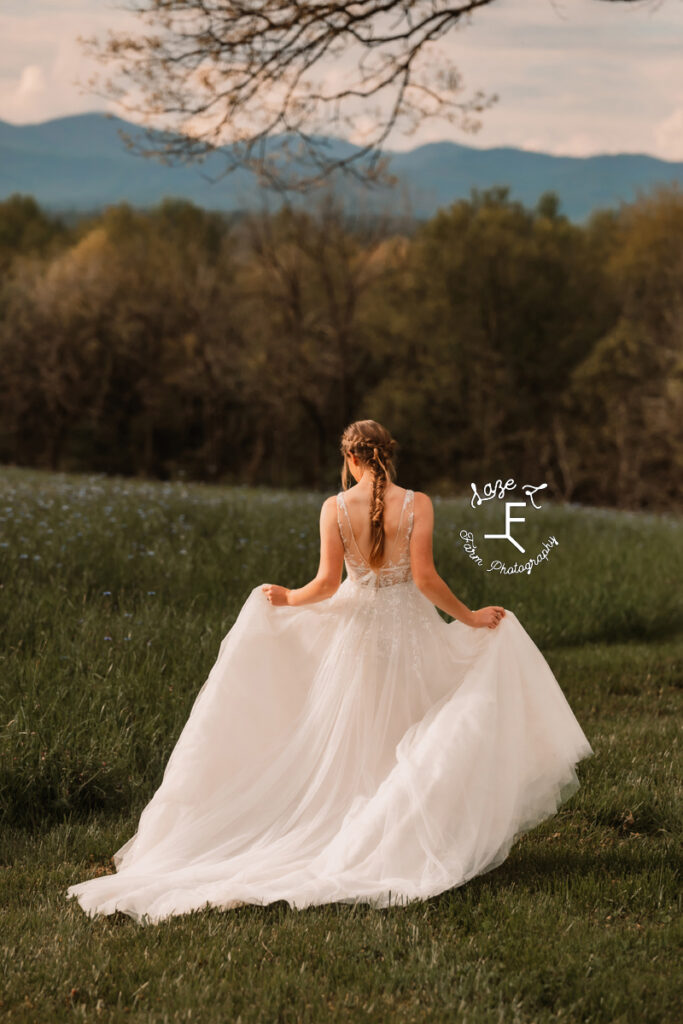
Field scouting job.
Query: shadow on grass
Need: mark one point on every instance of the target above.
(530, 872)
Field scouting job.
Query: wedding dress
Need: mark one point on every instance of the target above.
(359, 748)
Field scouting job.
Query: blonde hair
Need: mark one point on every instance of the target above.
(374, 447)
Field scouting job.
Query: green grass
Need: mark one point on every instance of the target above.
(111, 622)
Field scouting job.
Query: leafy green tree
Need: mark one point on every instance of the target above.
(494, 341)
(626, 401)
(26, 229)
(497, 305)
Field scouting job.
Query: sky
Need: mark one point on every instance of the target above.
(574, 77)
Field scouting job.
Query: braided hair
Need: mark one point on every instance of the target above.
(374, 447)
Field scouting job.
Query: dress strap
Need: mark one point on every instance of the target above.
(343, 521)
(410, 504)
(347, 534)
(400, 520)
(405, 525)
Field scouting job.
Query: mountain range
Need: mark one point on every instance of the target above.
(80, 163)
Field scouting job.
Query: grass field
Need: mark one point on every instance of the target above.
(114, 597)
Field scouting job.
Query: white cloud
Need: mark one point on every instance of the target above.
(534, 143)
(578, 144)
(32, 81)
(43, 68)
(668, 136)
(573, 76)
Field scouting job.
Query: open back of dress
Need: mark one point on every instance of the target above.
(396, 568)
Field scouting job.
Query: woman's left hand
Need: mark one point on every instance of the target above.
(488, 617)
(276, 595)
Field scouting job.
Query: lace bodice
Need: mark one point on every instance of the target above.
(396, 568)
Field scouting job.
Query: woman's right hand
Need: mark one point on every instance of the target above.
(488, 617)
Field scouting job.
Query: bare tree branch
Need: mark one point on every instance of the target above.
(267, 82)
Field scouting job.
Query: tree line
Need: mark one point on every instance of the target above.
(494, 340)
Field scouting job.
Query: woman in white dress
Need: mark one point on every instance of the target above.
(349, 744)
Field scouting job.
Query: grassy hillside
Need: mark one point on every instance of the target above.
(114, 597)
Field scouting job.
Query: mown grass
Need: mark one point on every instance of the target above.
(114, 596)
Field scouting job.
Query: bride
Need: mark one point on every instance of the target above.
(349, 744)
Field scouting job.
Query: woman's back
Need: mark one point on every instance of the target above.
(357, 502)
(353, 515)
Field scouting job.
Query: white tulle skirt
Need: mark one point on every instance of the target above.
(357, 749)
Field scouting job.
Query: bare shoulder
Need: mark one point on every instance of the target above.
(422, 502)
(329, 505)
